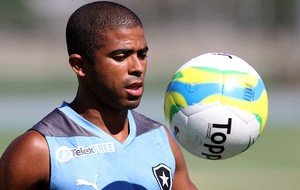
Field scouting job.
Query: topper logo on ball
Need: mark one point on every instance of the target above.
(217, 139)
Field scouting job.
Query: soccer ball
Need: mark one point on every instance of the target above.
(216, 106)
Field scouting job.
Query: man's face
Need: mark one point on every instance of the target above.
(116, 78)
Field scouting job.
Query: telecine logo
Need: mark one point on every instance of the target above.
(64, 154)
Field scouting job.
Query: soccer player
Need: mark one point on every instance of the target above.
(97, 141)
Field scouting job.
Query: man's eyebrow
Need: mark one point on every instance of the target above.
(118, 51)
(145, 49)
(127, 51)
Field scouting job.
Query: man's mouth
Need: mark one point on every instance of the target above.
(135, 89)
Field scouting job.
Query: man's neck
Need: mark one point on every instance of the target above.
(114, 123)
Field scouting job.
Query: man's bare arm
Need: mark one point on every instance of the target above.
(182, 180)
(25, 163)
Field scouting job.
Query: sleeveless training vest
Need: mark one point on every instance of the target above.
(82, 156)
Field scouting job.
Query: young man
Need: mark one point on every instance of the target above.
(97, 141)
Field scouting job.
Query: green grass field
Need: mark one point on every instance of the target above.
(272, 163)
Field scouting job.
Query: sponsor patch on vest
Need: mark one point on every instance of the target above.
(163, 176)
(64, 153)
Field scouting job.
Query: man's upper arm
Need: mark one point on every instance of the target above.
(181, 178)
(25, 163)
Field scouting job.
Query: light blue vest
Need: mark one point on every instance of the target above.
(82, 156)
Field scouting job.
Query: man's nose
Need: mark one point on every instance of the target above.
(137, 66)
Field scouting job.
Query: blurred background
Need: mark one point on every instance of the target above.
(35, 76)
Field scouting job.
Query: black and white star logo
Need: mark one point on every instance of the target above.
(163, 176)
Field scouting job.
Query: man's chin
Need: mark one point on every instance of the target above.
(132, 104)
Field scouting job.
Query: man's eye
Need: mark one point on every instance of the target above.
(119, 57)
(142, 55)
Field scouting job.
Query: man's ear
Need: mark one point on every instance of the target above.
(77, 63)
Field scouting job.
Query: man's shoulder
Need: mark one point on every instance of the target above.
(30, 142)
(57, 123)
(46, 125)
(144, 123)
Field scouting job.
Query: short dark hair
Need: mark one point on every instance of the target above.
(88, 25)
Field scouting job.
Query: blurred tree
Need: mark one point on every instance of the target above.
(15, 14)
(268, 14)
(279, 13)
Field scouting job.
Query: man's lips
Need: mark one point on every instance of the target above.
(135, 89)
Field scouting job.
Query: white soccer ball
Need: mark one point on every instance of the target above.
(216, 106)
